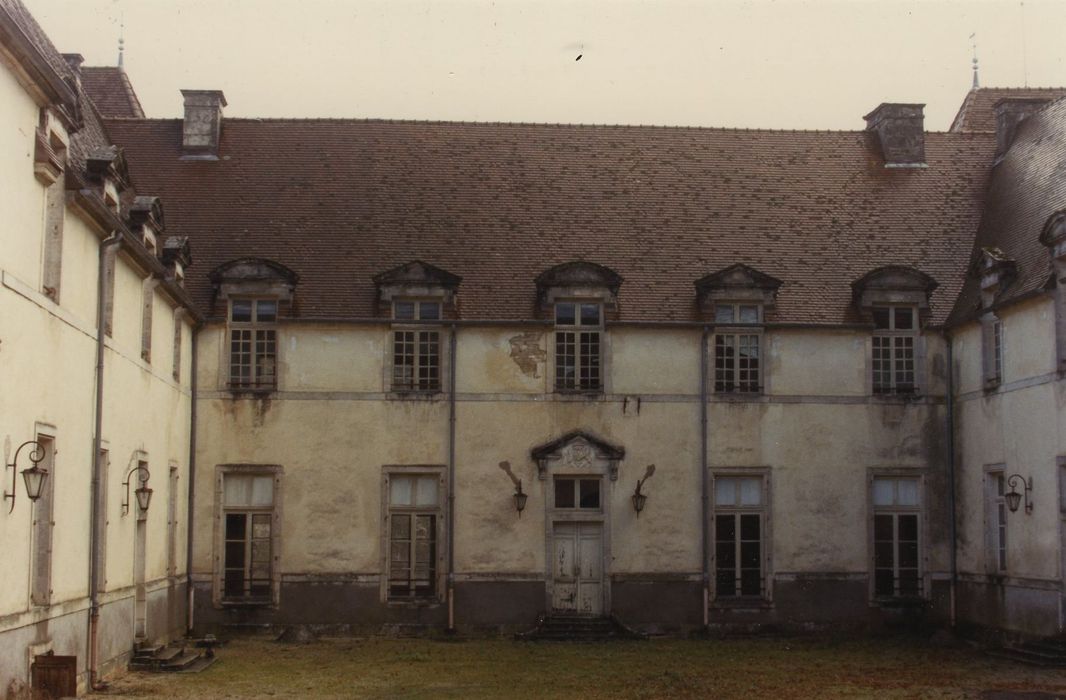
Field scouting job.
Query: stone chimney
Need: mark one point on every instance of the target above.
(900, 132)
(202, 127)
(1010, 113)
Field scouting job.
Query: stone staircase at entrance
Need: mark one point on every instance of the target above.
(578, 628)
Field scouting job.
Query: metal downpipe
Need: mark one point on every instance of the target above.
(951, 479)
(704, 485)
(451, 479)
(94, 488)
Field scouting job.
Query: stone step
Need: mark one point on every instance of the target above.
(201, 664)
(181, 662)
(1028, 657)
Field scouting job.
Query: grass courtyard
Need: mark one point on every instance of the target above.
(744, 668)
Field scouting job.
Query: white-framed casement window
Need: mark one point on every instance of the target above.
(897, 536)
(414, 498)
(741, 542)
(578, 346)
(992, 350)
(253, 343)
(737, 348)
(249, 534)
(895, 343)
(995, 521)
(416, 365)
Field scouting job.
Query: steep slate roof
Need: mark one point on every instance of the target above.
(341, 201)
(977, 111)
(1027, 187)
(111, 91)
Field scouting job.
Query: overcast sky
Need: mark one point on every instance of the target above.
(763, 64)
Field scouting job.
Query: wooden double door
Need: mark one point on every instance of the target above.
(577, 568)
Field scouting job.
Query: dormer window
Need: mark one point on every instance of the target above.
(895, 333)
(416, 349)
(111, 196)
(737, 348)
(578, 346)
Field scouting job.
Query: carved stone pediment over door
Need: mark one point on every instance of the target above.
(578, 452)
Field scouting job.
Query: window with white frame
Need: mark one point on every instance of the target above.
(894, 346)
(996, 521)
(897, 537)
(416, 351)
(413, 537)
(737, 349)
(740, 509)
(578, 346)
(253, 343)
(248, 536)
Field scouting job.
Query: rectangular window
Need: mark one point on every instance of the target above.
(414, 523)
(996, 521)
(894, 341)
(416, 351)
(147, 302)
(109, 290)
(577, 492)
(253, 343)
(43, 525)
(578, 351)
(736, 363)
(739, 536)
(175, 370)
(997, 350)
(247, 523)
(896, 537)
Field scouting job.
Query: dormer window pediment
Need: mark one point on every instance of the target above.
(416, 280)
(733, 292)
(894, 285)
(578, 280)
(1054, 235)
(995, 271)
(257, 277)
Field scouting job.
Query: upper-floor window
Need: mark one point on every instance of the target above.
(894, 343)
(253, 343)
(416, 351)
(578, 346)
(737, 351)
(992, 350)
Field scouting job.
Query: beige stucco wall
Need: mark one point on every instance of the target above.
(48, 374)
(1019, 425)
(332, 429)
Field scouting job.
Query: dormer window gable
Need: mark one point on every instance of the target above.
(50, 153)
(254, 278)
(995, 271)
(1054, 236)
(417, 288)
(737, 295)
(108, 164)
(577, 280)
(177, 256)
(146, 220)
(894, 285)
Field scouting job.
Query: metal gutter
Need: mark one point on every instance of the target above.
(451, 480)
(704, 482)
(94, 489)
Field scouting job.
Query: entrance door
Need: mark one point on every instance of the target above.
(578, 568)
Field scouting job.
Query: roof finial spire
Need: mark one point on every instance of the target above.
(121, 41)
(976, 82)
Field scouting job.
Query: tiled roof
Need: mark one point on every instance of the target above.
(1028, 186)
(977, 111)
(110, 90)
(341, 201)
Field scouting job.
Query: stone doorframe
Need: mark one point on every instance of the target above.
(578, 453)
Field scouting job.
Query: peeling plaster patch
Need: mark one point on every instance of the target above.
(527, 353)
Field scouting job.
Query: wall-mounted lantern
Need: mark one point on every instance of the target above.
(640, 499)
(519, 495)
(1014, 499)
(34, 477)
(142, 492)
(519, 498)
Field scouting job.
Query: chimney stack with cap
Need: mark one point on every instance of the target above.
(900, 131)
(203, 123)
(1010, 113)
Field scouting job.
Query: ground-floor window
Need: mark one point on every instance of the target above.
(897, 537)
(248, 536)
(414, 524)
(739, 536)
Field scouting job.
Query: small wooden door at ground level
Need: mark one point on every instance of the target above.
(577, 568)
